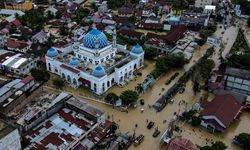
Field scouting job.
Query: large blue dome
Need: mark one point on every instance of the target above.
(99, 71)
(95, 39)
(137, 49)
(52, 52)
(74, 61)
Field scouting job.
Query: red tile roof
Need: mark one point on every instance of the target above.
(176, 33)
(131, 33)
(3, 56)
(224, 107)
(53, 139)
(16, 22)
(27, 79)
(125, 11)
(70, 69)
(11, 43)
(181, 144)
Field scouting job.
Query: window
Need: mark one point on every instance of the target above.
(90, 60)
(79, 56)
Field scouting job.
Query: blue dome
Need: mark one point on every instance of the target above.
(74, 61)
(137, 49)
(52, 52)
(99, 71)
(95, 39)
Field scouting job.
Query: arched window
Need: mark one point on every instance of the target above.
(63, 76)
(49, 67)
(108, 84)
(69, 79)
(74, 82)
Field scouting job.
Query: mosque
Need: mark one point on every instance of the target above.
(96, 63)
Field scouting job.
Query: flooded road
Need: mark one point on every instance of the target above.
(128, 121)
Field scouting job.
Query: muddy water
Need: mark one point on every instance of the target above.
(127, 121)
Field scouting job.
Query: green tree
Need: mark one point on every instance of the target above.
(58, 82)
(40, 74)
(205, 68)
(129, 97)
(200, 42)
(196, 87)
(196, 121)
(111, 97)
(150, 53)
(188, 114)
(244, 139)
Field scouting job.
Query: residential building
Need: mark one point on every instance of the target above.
(23, 5)
(97, 64)
(16, 45)
(9, 137)
(180, 144)
(40, 37)
(237, 80)
(16, 94)
(202, 3)
(72, 124)
(125, 12)
(134, 35)
(16, 64)
(217, 116)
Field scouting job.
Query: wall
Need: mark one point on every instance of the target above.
(23, 100)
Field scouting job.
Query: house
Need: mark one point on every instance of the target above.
(174, 20)
(175, 34)
(194, 19)
(23, 5)
(148, 10)
(151, 26)
(153, 19)
(16, 45)
(202, 3)
(125, 12)
(220, 113)
(16, 64)
(134, 35)
(40, 37)
(237, 80)
(52, 10)
(180, 144)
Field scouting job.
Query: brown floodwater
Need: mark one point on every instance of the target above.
(127, 121)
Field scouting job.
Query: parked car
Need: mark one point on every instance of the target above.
(181, 90)
(142, 101)
(150, 124)
(138, 140)
(156, 133)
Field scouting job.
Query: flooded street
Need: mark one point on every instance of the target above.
(128, 121)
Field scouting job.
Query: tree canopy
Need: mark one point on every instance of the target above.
(40, 74)
(244, 139)
(164, 64)
(58, 82)
(216, 146)
(34, 19)
(129, 97)
(111, 97)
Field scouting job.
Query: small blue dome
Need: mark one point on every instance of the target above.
(52, 52)
(95, 39)
(74, 61)
(99, 71)
(137, 49)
